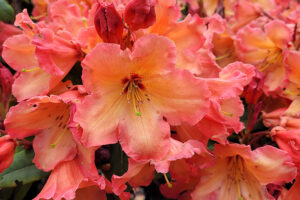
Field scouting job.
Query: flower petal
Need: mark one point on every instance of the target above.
(179, 96)
(144, 137)
(279, 33)
(153, 54)
(29, 84)
(105, 67)
(30, 117)
(138, 174)
(63, 182)
(18, 53)
(47, 156)
(271, 160)
(98, 117)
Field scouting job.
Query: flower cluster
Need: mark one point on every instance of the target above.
(205, 93)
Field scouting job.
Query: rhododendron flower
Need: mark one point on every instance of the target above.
(141, 173)
(7, 151)
(267, 50)
(288, 140)
(48, 119)
(70, 179)
(240, 173)
(187, 34)
(131, 92)
(43, 61)
(226, 107)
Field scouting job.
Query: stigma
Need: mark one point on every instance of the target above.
(134, 90)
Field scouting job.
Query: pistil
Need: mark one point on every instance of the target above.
(31, 70)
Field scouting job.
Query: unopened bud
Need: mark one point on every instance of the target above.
(108, 23)
(140, 14)
(7, 149)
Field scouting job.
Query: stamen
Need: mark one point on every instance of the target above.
(223, 56)
(274, 56)
(134, 104)
(167, 181)
(59, 137)
(38, 17)
(30, 70)
(133, 88)
(227, 113)
(237, 177)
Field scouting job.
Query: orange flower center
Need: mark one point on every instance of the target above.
(134, 90)
(235, 169)
(274, 56)
(62, 127)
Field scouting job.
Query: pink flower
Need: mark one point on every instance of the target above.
(240, 173)
(267, 50)
(48, 119)
(131, 92)
(45, 57)
(75, 179)
(141, 173)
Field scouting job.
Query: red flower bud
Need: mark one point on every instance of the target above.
(7, 150)
(6, 81)
(108, 23)
(140, 14)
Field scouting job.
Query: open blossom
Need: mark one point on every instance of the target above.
(70, 179)
(45, 57)
(226, 107)
(131, 92)
(187, 34)
(267, 50)
(141, 173)
(240, 173)
(48, 119)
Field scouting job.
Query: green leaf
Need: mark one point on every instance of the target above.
(211, 145)
(7, 13)
(21, 171)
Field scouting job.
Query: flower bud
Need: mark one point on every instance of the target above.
(108, 23)
(6, 81)
(140, 14)
(7, 149)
